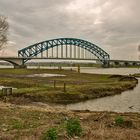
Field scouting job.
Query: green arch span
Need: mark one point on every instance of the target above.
(37, 48)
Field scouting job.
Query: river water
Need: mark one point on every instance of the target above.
(123, 71)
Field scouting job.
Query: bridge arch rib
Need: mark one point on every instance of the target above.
(38, 48)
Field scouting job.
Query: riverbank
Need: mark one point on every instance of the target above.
(43, 85)
(30, 121)
(137, 75)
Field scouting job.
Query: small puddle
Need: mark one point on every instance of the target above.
(45, 75)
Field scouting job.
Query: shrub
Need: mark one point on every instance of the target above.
(17, 124)
(73, 127)
(119, 120)
(50, 134)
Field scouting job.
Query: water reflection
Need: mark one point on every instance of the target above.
(46, 75)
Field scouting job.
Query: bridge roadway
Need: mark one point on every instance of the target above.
(18, 62)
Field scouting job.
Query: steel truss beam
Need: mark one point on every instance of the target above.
(34, 50)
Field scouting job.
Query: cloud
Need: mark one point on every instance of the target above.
(112, 24)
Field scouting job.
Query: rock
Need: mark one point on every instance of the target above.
(76, 137)
(131, 107)
(81, 118)
(4, 129)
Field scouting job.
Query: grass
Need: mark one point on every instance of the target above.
(16, 124)
(79, 86)
(119, 120)
(137, 75)
(73, 127)
(50, 134)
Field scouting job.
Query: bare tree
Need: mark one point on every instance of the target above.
(3, 31)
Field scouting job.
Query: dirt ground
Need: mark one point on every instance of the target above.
(28, 122)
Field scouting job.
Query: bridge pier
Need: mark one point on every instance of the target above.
(20, 66)
(18, 63)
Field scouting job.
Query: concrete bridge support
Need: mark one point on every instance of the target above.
(20, 66)
(15, 61)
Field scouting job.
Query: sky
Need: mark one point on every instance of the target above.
(113, 25)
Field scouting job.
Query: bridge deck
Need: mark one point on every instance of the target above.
(34, 58)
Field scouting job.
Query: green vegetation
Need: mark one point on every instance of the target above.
(55, 64)
(17, 124)
(73, 127)
(137, 75)
(64, 64)
(119, 120)
(50, 134)
(79, 86)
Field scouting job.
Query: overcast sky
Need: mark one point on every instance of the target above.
(114, 25)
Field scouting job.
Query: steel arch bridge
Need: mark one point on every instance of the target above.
(87, 48)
